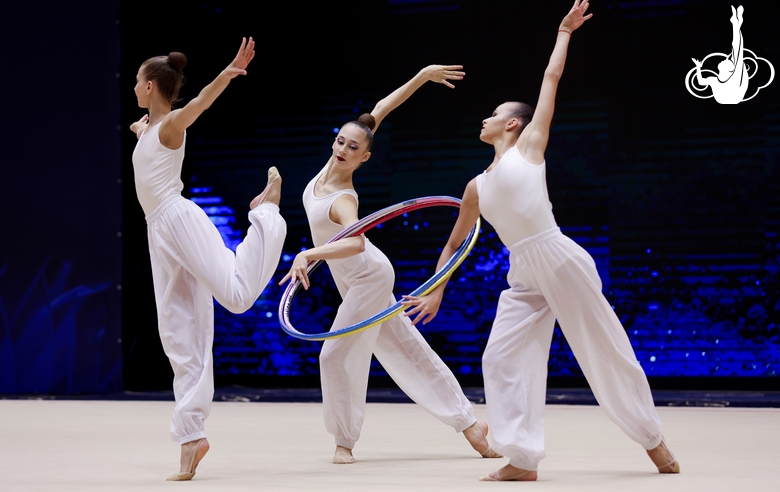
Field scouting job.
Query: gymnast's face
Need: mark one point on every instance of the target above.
(349, 147)
(494, 125)
(140, 88)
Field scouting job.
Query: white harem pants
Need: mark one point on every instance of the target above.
(190, 264)
(406, 356)
(551, 276)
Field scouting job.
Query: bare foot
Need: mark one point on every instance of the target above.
(510, 473)
(273, 189)
(663, 459)
(191, 454)
(343, 456)
(476, 435)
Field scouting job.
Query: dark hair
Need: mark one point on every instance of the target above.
(367, 123)
(166, 73)
(522, 112)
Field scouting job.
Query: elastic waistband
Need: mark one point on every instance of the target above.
(162, 207)
(536, 239)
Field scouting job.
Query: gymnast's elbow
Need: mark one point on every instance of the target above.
(553, 75)
(360, 244)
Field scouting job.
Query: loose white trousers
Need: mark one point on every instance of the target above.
(406, 356)
(551, 277)
(190, 264)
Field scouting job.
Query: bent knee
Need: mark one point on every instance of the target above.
(334, 353)
(330, 358)
(238, 306)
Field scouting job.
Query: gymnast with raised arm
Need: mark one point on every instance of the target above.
(190, 263)
(365, 278)
(550, 277)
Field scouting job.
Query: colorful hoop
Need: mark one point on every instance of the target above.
(360, 227)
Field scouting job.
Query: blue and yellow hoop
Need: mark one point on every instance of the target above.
(360, 227)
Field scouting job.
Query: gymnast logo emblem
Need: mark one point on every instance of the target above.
(730, 83)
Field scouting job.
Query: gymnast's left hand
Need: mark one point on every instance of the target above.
(298, 271)
(442, 74)
(424, 307)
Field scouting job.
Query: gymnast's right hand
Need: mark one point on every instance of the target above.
(298, 271)
(424, 307)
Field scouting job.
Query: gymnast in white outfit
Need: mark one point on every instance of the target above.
(365, 278)
(550, 277)
(190, 262)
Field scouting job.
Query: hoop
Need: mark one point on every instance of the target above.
(361, 226)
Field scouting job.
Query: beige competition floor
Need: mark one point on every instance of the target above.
(124, 445)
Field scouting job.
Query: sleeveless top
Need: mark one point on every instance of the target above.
(318, 212)
(345, 271)
(513, 198)
(157, 169)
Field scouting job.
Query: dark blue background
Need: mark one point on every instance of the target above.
(61, 198)
(674, 196)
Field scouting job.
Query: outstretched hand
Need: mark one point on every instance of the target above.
(442, 74)
(696, 62)
(425, 308)
(576, 16)
(298, 271)
(245, 54)
(140, 126)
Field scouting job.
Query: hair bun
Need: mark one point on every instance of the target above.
(367, 120)
(177, 60)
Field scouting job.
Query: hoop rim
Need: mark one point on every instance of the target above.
(361, 226)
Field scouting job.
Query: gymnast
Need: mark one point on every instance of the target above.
(365, 278)
(550, 277)
(190, 262)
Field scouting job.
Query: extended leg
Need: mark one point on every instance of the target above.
(421, 373)
(599, 341)
(736, 39)
(515, 370)
(427, 380)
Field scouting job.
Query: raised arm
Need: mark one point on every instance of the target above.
(427, 307)
(441, 74)
(177, 121)
(533, 141)
(344, 212)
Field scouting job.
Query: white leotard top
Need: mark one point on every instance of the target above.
(513, 198)
(157, 169)
(345, 271)
(318, 212)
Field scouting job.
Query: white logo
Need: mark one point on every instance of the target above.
(730, 83)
